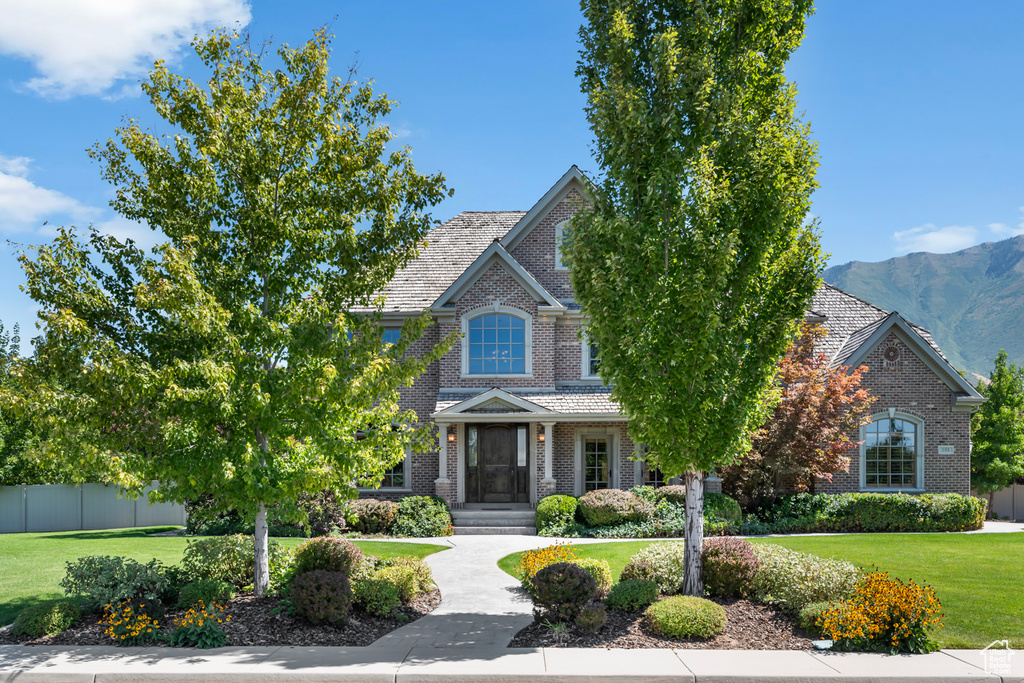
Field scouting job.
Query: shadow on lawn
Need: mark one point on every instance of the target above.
(100, 534)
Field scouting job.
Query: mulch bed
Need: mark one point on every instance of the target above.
(749, 626)
(253, 623)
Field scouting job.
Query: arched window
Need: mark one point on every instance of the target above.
(497, 345)
(891, 453)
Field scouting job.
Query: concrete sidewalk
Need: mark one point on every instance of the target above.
(65, 664)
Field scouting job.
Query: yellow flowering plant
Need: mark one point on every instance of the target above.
(128, 623)
(200, 627)
(532, 561)
(884, 615)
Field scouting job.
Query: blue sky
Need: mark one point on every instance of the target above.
(916, 107)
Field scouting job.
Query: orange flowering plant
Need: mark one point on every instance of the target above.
(200, 627)
(532, 561)
(128, 623)
(884, 615)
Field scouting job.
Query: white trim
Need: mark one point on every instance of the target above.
(610, 433)
(406, 477)
(460, 484)
(889, 414)
(527, 339)
(559, 240)
(585, 359)
(572, 178)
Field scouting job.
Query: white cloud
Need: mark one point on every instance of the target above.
(123, 229)
(933, 239)
(24, 206)
(1002, 230)
(87, 47)
(401, 131)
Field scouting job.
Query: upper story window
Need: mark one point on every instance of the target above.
(390, 335)
(591, 361)
(561, 232)
(497, 345)
(890, 454)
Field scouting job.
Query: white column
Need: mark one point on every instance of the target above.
(442, 452)
(548, 441)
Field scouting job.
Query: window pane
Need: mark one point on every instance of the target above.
(890, 455)
(499, 344)
(391, 334)
(471, 445)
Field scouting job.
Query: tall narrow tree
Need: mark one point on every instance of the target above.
(694, 260)
(997, 429)
(238, 358)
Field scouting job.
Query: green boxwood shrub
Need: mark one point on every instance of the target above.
(423, 578)
(666, 566)
(562, 589)
(600, 571)
(730, 566)
(422, 517)
(329, 554)
(231, 559)
(206, 590)
(321, 596)
(592, 617)
(45, 618)
(723, 507)
(371, 516)
(686, 616)
(105, 580)
(808, 616)
(377, 595)
(556, 511)
(793, 580)
(632, 594)
(605, 507)
(403, 577)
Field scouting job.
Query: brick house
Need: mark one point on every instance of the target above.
(521, 413)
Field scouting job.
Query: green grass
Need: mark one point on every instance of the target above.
(32, 565)
(977, 578)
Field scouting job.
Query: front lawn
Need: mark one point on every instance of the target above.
(32, 565)
(977, 577)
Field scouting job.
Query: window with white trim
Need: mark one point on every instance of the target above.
(891, 453)
(597, 457)
(591, 361)
(561, 231)
(497, 345)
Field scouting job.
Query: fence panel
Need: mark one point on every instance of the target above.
(103, 508)
(12, 509)
(158, 514)
(53, 507)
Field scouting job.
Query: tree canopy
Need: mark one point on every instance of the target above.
(694, 260)
(243, 355)
(997, 429)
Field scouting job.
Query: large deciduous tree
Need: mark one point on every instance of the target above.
(242, 357)
(997, 429)
(806, 437)
(694, 259)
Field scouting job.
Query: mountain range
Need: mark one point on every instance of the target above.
(972, 300)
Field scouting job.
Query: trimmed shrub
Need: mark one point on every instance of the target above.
(809, 615)
(638, 569)
(600, 571)
(562, 589)
(106, 580)
(592, 617)
(422, 517)
(370, 516)
(723, 507)
(321, 596)
(730, 566)
(686, 616)
(329, 554)
(45, 618)
(402, 577)
(206, 591)
(378, 595)
(666, 566)
(556, 512)
(673, 494)
(793, 580)
(884, 615)
(632, 594)
(605, 507)
(423, 578)
(231, 559)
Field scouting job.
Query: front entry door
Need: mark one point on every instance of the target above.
(496, 463)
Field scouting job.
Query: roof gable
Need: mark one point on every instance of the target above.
(493, 254)
(572, 179)
(493, 401)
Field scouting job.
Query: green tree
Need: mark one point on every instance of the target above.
(243, 357)
(997, 429)
(694, 261)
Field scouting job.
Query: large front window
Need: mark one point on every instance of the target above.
(497, 345)
(890, 454)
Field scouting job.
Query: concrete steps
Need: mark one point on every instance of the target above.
(515, 520)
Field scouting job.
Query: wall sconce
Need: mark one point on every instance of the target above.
(540, 437)
(451, 434)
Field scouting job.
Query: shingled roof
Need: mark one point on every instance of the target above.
(577, 400)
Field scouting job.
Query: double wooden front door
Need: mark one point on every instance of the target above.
(497, 463)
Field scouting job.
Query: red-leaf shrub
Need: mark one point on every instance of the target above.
(592, 617)
(729, 566)
(328, 554)
(322, 596)
(562, 590)
(613, 506)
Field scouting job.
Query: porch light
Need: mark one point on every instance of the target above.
(540, 437)
(451, 435)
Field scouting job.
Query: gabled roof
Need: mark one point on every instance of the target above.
(581, 404)
(859, 344)
(573, 178)
(491, 402)
(495, 253)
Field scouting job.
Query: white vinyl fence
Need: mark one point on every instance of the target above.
(1008, 502)
(86, 506)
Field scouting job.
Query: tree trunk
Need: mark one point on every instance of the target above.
(261, 570)
(693, 578)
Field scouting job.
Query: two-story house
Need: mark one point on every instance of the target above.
(521, 413)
